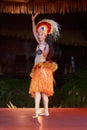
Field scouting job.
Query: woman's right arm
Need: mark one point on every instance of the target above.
(34, 26)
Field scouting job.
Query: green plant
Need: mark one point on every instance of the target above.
(10, 105)
(75, 90)
(16, 91)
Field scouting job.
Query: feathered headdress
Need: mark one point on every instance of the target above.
(49, 26)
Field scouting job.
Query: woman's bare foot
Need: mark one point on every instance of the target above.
(44, 114)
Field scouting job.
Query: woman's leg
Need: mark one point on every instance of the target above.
(37, 103)
(45, 102)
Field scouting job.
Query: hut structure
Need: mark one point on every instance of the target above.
(42, 6)
(17, 41)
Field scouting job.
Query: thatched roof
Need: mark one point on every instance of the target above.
(42, 6)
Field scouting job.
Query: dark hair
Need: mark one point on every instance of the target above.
(51, 51)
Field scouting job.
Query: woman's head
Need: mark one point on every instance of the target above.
(42, 29)
(48, 27)
(41, 36)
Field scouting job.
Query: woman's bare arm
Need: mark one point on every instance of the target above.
(34, 26)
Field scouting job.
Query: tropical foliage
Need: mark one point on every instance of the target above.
(15, 91)
(74, 91)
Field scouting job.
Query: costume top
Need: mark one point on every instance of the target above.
(39, 56)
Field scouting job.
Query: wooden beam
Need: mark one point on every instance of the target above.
(14, 1)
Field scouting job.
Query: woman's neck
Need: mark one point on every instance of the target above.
(42, 43)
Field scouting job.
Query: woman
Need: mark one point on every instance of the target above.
(41, 85)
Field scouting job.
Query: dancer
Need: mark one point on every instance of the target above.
(41, 85)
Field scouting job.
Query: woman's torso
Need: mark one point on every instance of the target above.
(40, 57)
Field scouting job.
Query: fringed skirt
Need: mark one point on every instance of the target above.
(42, 78)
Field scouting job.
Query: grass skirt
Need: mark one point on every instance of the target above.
(42, 78)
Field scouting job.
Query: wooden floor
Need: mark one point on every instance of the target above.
(59, 119)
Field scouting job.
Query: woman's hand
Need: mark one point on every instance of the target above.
(34, 16)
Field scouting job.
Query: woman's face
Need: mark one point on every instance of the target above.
(41, 36)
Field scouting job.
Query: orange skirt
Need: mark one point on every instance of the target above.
(42, 78)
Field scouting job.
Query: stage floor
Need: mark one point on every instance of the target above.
(59, 119)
